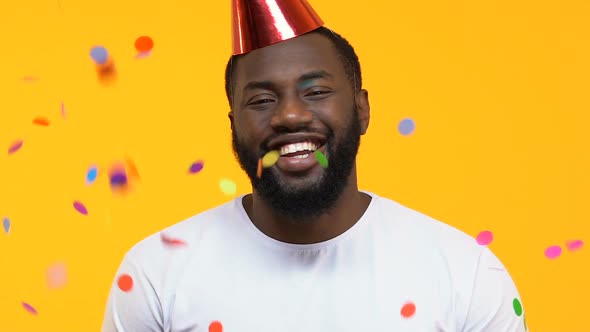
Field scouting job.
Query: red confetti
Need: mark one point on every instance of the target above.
(215, 327)
(171, 241)
(41, 121)
(408, 310)
(144, 44)
(29, 308)
(125, 282)
(16, 145)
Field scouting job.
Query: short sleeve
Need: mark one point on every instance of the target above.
(495, 304)
(133, 303)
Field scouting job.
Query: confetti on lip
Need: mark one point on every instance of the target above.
(485, 237)
(29, 308)
(57, 275)
(80, 208)
(171, 241)
(553, 252)
(15, 146)
(259, 168)
(41, 121)
(125, 282)
(408, 310)
(574, 245)
(321, 158)
(196, 167)
(517, 307)
(270, 158)
(6, 224)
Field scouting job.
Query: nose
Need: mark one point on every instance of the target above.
(291, 115)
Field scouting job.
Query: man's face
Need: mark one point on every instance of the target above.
(294, 97)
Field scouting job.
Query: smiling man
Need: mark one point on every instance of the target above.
(307, 250)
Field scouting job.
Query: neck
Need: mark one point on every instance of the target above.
(347, 210)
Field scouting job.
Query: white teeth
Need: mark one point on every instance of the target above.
(297, 147)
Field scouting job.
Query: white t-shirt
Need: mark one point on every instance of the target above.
(394, 270)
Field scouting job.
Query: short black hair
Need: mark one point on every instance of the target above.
(346, 53)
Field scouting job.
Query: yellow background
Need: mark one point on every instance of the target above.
(498, 91)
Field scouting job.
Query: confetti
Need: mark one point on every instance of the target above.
(171, 241)
(29, 308)
(30, 78)
(196, 167)
(125, 282)
(41, 121)
(259, 168)
(91, 175)
(144, 44)
(270, 158)
(553, 252)
(408, 310)
(517, 307)
(484, 238)
(80, 208)
(321, 158)
(63, 110)
(215, 327)
(132, 168)
(16, 145)
(118, 179)
(99, 54)
(6, 224)
(227, 186)
(406, 127)
(574, 245)
(56, 275)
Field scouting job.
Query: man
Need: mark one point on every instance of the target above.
(306, 251)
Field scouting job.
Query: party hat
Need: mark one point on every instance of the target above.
(260, 23)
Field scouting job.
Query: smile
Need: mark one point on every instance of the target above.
(298, 149)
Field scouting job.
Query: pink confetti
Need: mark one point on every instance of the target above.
(80, 208)
(484, 238)
(574, 245)
(170, 241)
(30, 78)
(29, 308)
(63, 110)
(57, 275)
(16, 145)
(553, 252)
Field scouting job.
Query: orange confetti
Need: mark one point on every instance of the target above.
(132, 168)
(408, 310)
(259, 170)
(215, 327)
(125, 282)
(41, 121)
(144, 44)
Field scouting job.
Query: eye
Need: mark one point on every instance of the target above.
(317, 93)
(261, 101)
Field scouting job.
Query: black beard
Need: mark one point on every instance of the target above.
(300, 204)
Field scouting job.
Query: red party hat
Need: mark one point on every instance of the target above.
(260, 23)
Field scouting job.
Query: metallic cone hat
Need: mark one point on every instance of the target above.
(260, 23)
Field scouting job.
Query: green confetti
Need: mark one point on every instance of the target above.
(228, 187)
(321, 158)
(517, 307)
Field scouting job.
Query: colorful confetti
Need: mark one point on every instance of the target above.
(553, 252)
(125, 282)
(196, 167)
(144, 44)
(259, 169)
(6, 224)
(406, 127)
(63, 110)
(80, 208)
(321, 158)
(91, 175)
(215, 326)
(132, 168)
(56, 276)
(408, 310)
(171, 241)
(484, 238)
(574, 245)
(29, 308)
(270, 158)
(41, 121)
(517, 307)
(15, 146)
(99, 54)
(228, 187)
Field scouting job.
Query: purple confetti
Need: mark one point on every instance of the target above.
(80, 208)
(15, 146)
(574, 245)
(406, 127)
(196, 167)
(6, 224)
(29, 308)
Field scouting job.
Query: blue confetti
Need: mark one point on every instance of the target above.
(6, 224)
(99, 54)
(406, 126)
(91, 175)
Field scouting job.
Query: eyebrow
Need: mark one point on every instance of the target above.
(269, 85)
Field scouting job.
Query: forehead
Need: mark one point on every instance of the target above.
(289, 59)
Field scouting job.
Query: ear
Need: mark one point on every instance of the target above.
(364, 109)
